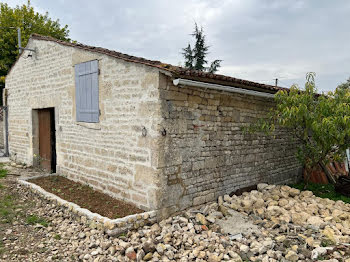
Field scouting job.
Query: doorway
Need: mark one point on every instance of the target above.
(47, 139)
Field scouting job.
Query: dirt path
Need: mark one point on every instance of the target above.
(26, 230)
(33, 229)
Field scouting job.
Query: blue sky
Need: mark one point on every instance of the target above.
(257, 40)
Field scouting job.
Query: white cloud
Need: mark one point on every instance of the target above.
(257, 40)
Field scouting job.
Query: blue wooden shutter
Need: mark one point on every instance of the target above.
(86, 92)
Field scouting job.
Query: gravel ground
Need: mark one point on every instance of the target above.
(35, 230)
(273, 224)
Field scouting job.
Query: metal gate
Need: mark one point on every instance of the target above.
(4, 151)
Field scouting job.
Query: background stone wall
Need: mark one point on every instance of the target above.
(205, 153)
(111, 155)
(2, 131)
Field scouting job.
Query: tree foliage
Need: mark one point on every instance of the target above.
(319, 123)
(195, 58)
(30, 21)
(345, 85)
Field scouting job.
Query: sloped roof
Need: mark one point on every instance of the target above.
(177, 71)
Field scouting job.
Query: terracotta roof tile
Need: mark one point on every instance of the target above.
(175, 70)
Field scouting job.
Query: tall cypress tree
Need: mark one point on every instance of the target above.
(189, 57)
(195, 57)
(200, 50)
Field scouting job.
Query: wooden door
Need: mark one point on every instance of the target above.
(45, 148)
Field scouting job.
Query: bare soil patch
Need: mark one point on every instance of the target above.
(86, 197)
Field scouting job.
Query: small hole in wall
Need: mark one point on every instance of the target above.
(163, 132)
(144, 131)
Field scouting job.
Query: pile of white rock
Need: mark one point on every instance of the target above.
(180, 238)
(18, 165)
(284, 225)
(294, 225)
(290, 226)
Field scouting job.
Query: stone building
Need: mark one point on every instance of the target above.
(156, 135)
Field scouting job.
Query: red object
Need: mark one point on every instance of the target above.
(317, 177)
(340, 167)
(131, 255)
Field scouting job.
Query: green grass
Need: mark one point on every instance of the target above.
(33, 220)
(326, 243)
(1, 247)
(3, 173)
(54, 179)
(7, 209)
(57, 237)
(324, 191)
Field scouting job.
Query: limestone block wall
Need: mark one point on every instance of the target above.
(111, 155)
(205, 153)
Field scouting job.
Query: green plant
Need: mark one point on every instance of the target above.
(30, 21)
(3, 173)
(323, 191)
(56, 190)
(38, 160)
(33, 220)
(54, 178)
(7, 209)
(326, 243)
(2, 247)
(320, 124)
(57, 237)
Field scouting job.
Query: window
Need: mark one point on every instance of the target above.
(86, 92)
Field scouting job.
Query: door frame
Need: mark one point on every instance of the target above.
(35, 137)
